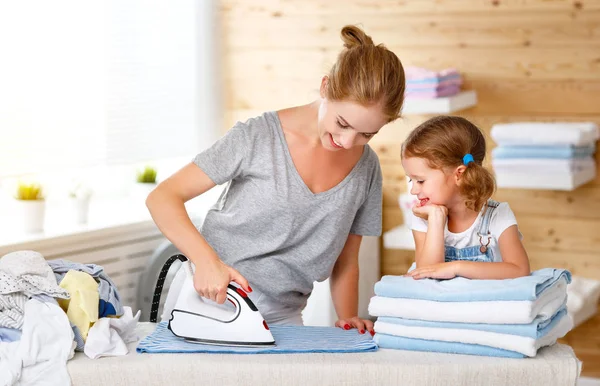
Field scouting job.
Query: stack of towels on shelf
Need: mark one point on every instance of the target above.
(537, 155)
(422, 83)
(505, 318)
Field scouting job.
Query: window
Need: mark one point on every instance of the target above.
(101, 83)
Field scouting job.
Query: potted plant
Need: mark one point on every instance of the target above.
(79, 197)
(31, 206)
(145, 182)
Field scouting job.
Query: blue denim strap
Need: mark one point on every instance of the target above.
(484, 229)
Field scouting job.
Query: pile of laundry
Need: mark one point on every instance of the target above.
(49, 309)
(505, 318)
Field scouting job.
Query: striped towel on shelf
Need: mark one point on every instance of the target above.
(288, 339)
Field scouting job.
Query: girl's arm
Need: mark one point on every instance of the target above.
(344, 287)
(515, 262)
(429, 246)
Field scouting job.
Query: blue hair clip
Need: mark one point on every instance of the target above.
(467, 158)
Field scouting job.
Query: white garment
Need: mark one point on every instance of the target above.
(109, 336)
(545, 133)
(492, 312)
(28, 272)
(40, 357)
(521, 344)
(502, 217)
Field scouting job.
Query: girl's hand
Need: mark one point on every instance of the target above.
(212, 277)
(437, 271)
(363, 325)
(430, 210)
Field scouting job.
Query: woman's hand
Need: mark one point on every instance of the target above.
(212, 277)
(428, 211)
(436, 271)
(363, 325)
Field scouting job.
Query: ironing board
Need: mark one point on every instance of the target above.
(556, 365)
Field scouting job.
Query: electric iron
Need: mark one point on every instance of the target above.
(200, 320)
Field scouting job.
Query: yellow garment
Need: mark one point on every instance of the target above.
(82, 308)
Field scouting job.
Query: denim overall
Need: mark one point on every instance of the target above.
(481, 252)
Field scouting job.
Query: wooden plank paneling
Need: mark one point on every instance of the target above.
(524, 63)
(569, 236)
(496, 97)
(528, 60)
(365, 7)
(440, 30)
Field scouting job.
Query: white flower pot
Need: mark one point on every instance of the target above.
(80, 209)
(30, 215)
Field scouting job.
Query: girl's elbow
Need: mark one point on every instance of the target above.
(522, 270)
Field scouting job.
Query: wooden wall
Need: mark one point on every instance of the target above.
(528, 60)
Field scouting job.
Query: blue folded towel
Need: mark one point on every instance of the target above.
(288, 339)
(555, 152)
(401, 343)
(460, 289)
(536, 329)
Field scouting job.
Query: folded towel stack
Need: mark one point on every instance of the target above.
(507, 318)
(536, 155)
(583, 296)
(422, 83)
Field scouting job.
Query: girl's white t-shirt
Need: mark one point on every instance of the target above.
(502, 217)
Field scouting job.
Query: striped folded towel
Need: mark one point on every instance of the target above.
(288, 339)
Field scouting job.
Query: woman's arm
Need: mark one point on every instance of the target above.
(344, 287)
(166, 205)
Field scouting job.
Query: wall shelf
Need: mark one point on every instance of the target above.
(443, 105)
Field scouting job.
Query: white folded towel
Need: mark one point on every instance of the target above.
(583, 297)
(543, 165)
(496, 312)
(538, 180)
(522, 344)
(545, 133)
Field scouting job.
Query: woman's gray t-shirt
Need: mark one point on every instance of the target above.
(268, 225)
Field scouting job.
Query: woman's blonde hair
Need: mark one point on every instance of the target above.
(443, 141)
(367, 74)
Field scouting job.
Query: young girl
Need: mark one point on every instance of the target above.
(458, 229)
(303, 187)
